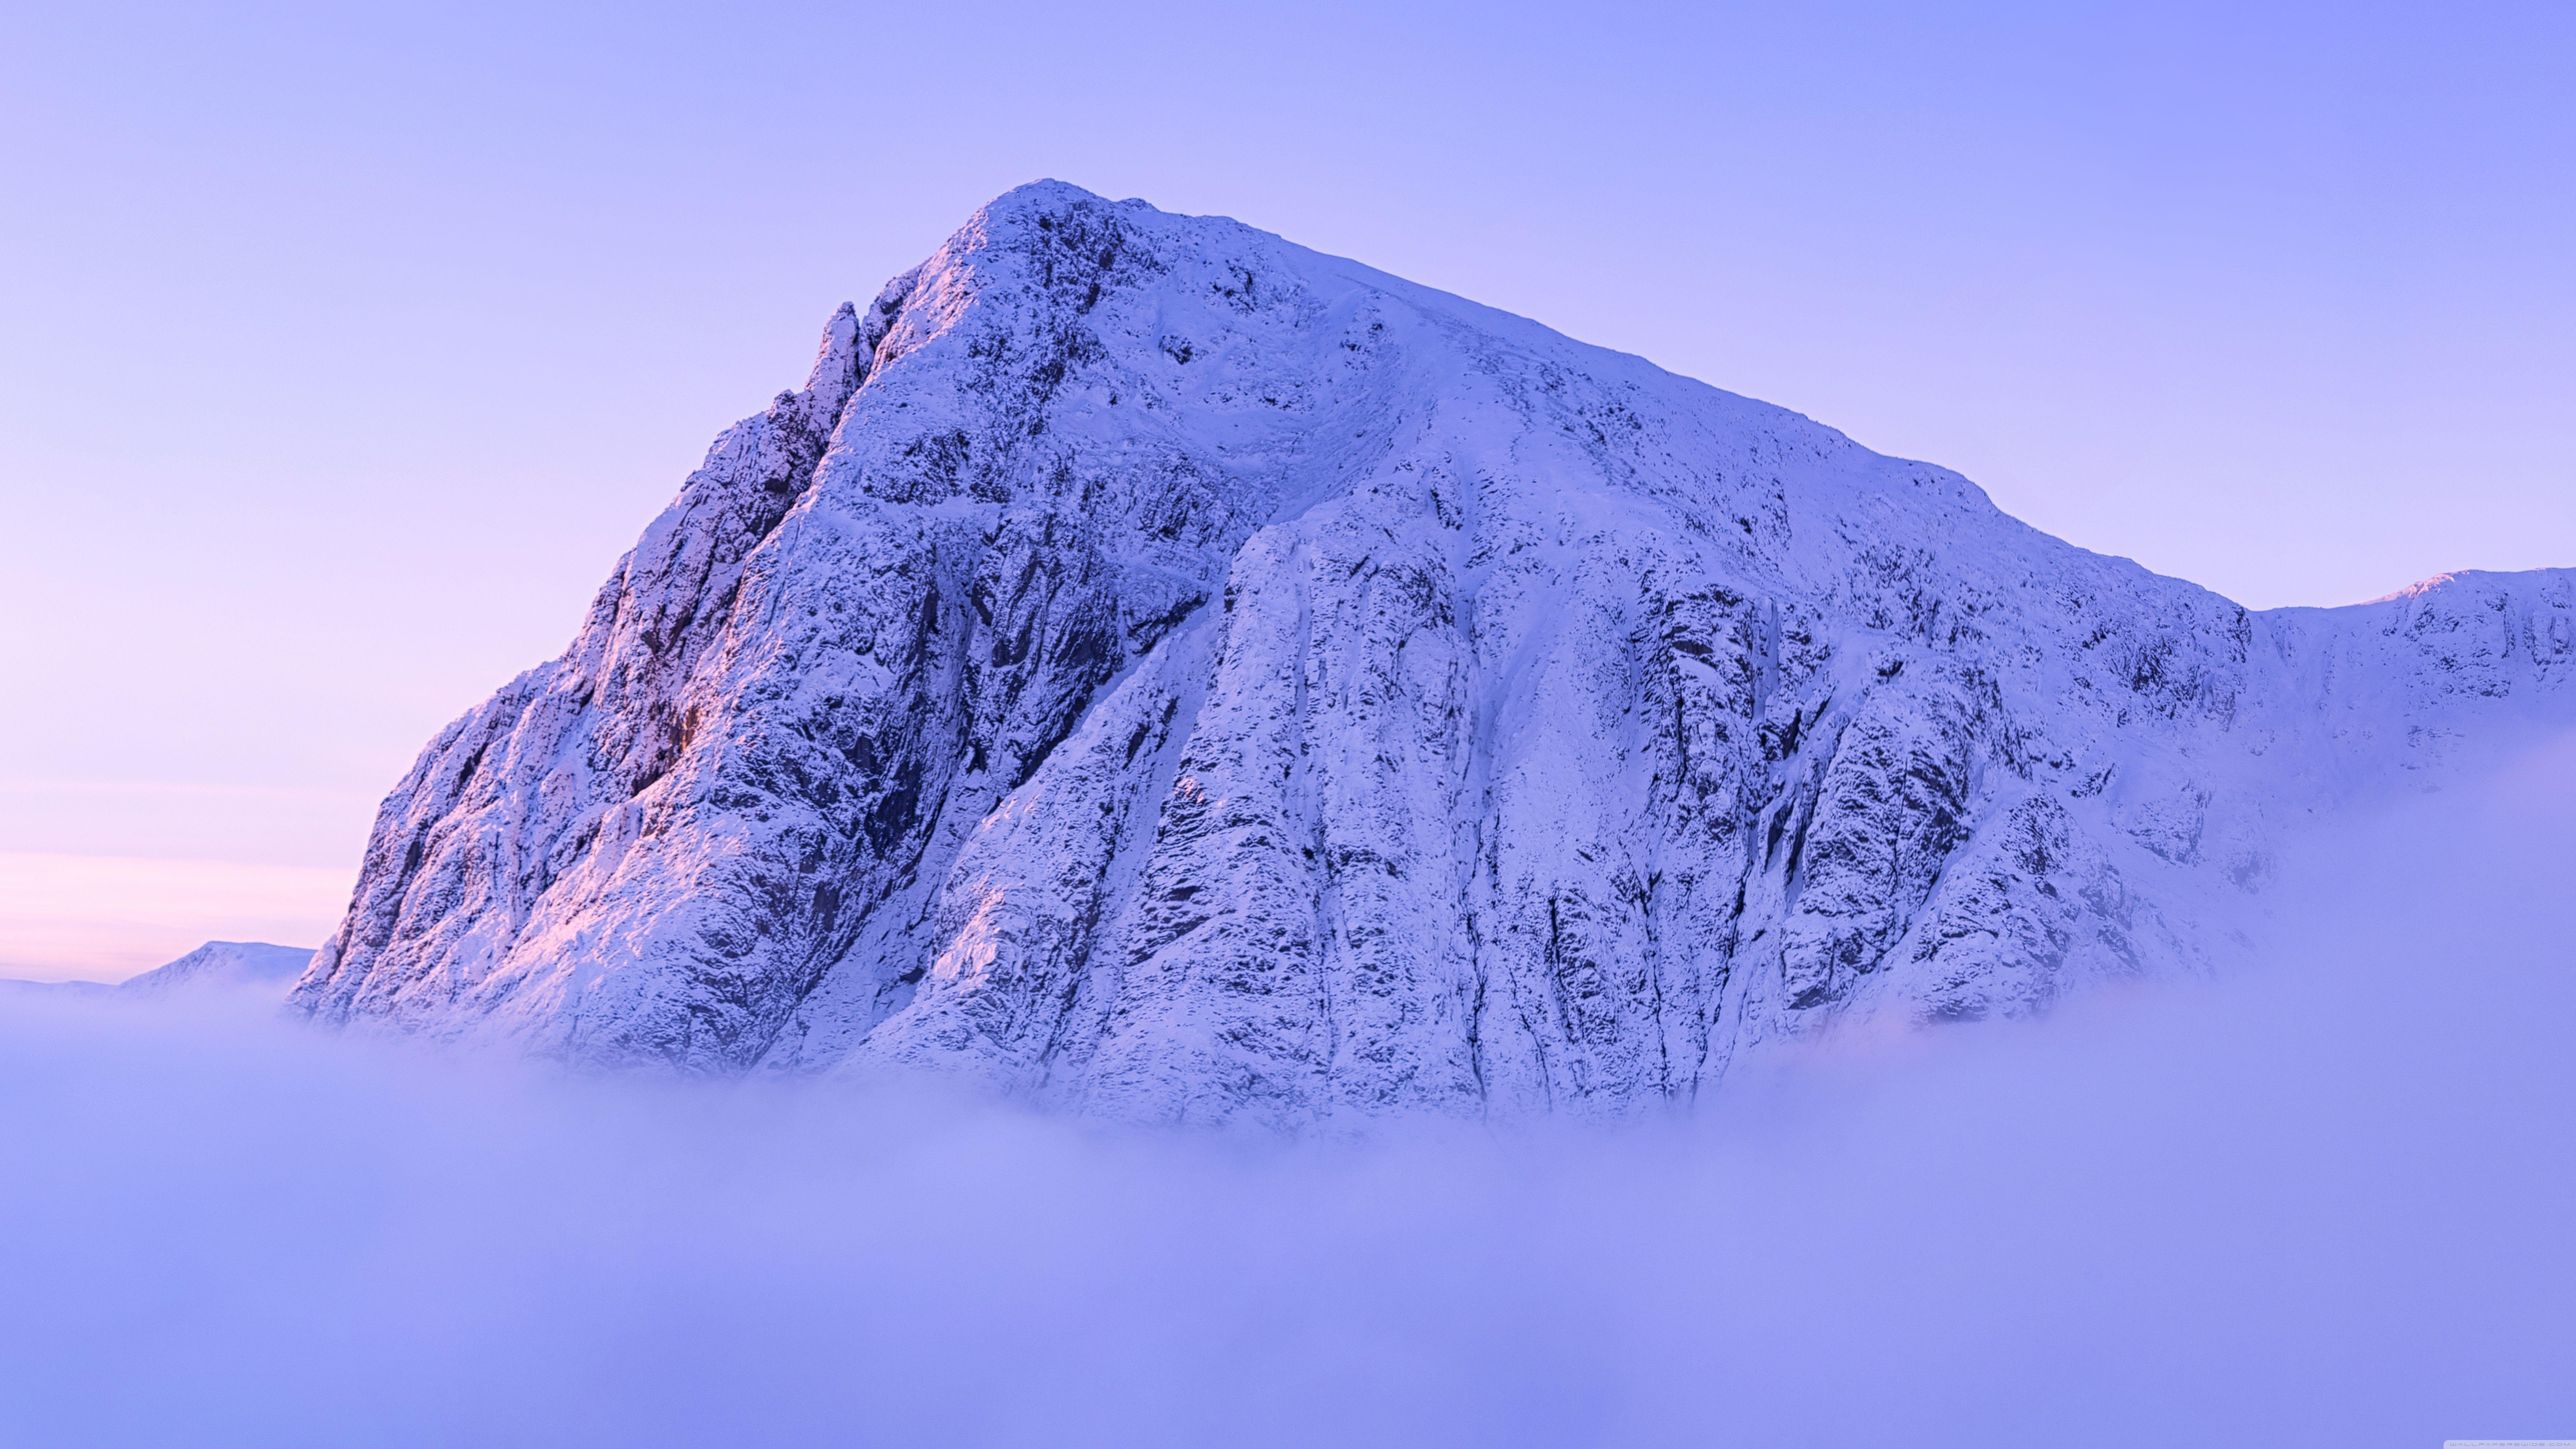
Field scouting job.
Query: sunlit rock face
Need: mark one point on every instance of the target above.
(1168, 673)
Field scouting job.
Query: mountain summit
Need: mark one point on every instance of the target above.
(1169, 673)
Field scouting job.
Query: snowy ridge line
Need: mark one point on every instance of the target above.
(1168, 673)
(250, 967)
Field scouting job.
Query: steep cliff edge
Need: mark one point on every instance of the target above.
(1170, 673)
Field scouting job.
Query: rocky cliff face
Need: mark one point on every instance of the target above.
(1169, 673)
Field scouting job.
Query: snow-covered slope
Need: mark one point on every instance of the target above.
(239, 965)
(253, 966)
(1171, 673)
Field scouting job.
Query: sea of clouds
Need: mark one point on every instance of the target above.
(2330, 1203)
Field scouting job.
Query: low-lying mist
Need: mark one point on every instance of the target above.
(2331, 1203)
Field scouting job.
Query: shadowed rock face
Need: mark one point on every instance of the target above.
(1173, 674)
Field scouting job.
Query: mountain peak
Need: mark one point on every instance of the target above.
(216, 965)
(251, 965)
(1167, 672)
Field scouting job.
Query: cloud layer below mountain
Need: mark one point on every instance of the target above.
(2324, 1205)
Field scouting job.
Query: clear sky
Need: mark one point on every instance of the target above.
(342, 353)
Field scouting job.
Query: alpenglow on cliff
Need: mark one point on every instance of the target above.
(1165, 672)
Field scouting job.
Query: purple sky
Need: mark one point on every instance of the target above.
(343, 354)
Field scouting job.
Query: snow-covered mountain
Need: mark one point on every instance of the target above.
(1170, 673)
(238, 965)
(254, 966)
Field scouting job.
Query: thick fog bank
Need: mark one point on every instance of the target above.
(2327, 1205)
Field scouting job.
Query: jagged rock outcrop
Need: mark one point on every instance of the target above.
(1170, 673)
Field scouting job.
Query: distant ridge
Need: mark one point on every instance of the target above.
(216, 965)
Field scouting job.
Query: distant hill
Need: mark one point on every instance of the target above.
(216, 965)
